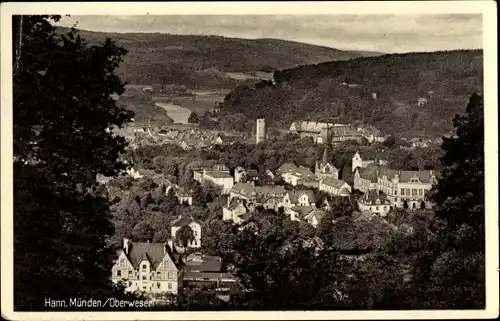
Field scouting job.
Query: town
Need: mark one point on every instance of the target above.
(296, 192)
(163, 163)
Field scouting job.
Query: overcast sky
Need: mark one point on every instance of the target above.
(384, 33)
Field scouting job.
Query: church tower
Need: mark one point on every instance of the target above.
(324, 168)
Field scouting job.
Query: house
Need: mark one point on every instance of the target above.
(314, 217)
(357, 161)
(195, 226)
(362, 216)
(330, 201)
(422, 101)
(335, 186)
(237, 210)
(153, 268)
(242, 175)
(372, 134)
(217, 175)
(342, 133)
(407, 189)
(286, 168)
(298, 213)
(184, 196)
(324, 168)
(318, 131)
(245, 191)
(376, 202)
(252, 175)
(260, 194)
(206, 273)
(302, 198)
(297, 175)
(271, 203)
(239, 175)
(365, 179)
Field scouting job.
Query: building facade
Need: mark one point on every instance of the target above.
(152, 268)
(195, 225)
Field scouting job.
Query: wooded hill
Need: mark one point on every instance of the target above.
(319, 92)
(200, 61)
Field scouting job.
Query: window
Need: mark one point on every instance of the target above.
(158, 275)
(119, 273)
(122, 261)
(144, 287)
(408, 192)
(397, 199)
(395, 192)
(144, 267)
(158, 285)
(376, 208)
(420, 192)
(402, 191)
(169, 286)
(414, 192)
(144, 277)
(130, 273)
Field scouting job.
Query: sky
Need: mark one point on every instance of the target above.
(381, 33)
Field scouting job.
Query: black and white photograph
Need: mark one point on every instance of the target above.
(249, 160)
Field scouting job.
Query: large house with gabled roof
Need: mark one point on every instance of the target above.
(406, 189)
(152, 268)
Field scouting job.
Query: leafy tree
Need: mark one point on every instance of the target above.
(143, 232)
(184, 235)
(193, 118)
(460, 190)
(456, 269)
(277, 268)
(62, 107)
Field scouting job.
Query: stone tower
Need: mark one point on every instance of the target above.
(260, 135)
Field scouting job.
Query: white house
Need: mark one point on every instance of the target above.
(375, 202)
(152, 268)
(334, 186)
(195, 225)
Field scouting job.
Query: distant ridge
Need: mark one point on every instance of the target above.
(167, 58)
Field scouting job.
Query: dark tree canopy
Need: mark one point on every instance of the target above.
(193, 118)
(62, 107)
(460, 190)
(185, 235)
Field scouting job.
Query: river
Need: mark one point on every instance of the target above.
(179, 114)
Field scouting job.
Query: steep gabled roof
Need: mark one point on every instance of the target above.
(184, 220)
(244, 189)
(337, 183)
(302, 210)
(270, 190)
(372, 196)
(369, 173)
(295, 195)
(152, 252)
(252, 173)
(287, 167)
(423, 176)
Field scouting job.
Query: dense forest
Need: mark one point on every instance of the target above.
(200, 61)
(318, 92)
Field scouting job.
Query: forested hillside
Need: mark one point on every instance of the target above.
(319, 92)
(201, 61)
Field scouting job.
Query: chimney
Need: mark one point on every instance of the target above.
(126, 242)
